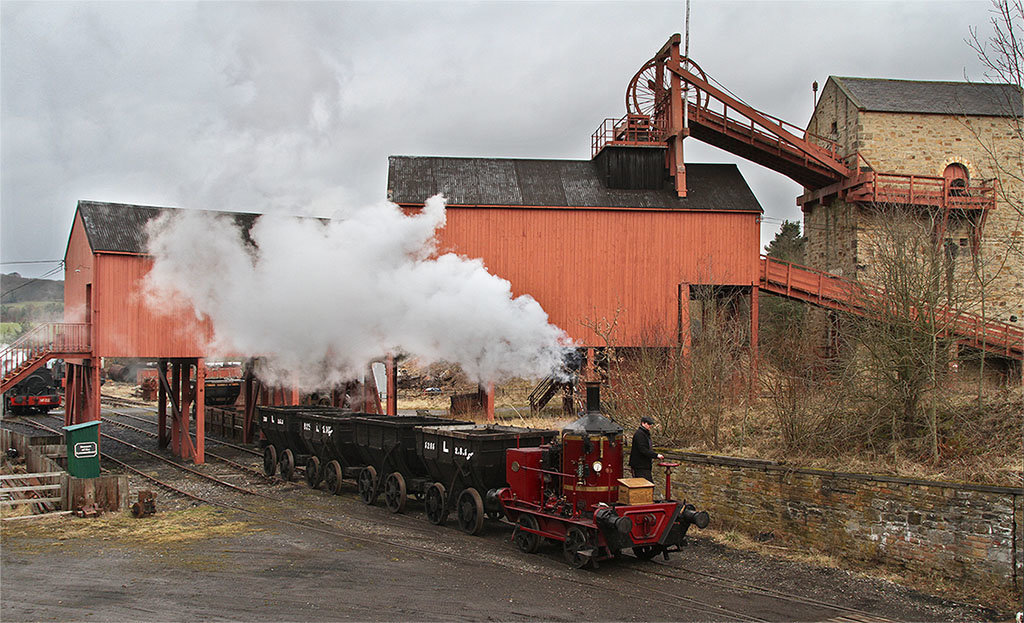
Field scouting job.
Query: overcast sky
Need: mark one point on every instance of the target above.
(296, 106)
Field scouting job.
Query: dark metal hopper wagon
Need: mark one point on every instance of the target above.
(283, 444)
(389, 452)
(464, 463)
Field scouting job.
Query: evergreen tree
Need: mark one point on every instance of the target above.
(788, 244)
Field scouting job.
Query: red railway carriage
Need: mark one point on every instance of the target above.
(569, 492)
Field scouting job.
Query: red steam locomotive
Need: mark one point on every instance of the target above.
(570, 492)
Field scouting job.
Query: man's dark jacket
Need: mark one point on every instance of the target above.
(642, 453)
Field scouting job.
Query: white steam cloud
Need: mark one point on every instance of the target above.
(319, 300)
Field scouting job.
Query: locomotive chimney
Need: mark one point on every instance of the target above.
(593, 397)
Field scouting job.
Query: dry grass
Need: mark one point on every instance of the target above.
(160, 530)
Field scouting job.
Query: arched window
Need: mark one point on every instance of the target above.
(956, 179)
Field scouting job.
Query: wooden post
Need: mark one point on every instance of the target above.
(176, 400)
(755, 292)
(684, 321)
(161, 417)
(199, 457)
(392, 385)
(250, 406)
(94, 389)
(187, 396)
(490, 401)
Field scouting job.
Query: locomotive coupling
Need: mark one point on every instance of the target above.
(691, 515)
(609, 520)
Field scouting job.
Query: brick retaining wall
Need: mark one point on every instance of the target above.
(968, 534)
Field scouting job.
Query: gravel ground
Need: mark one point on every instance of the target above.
(299, 554)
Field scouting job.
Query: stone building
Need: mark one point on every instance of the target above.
(947, 156)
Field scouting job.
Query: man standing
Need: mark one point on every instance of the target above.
(642, 452)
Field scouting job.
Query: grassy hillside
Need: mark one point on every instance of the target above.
(17, 289)
(26, 302)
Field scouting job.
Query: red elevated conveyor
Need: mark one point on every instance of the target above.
(671, 97)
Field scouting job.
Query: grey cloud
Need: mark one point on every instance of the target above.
(296, 106)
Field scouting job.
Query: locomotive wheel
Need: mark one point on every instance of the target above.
(368, 484)
(270, 460)
(332, 476)
(646, 552)
(437, 512)
(313, 473)
(575, 541)
(470, 511)
(527, 542)
(287, 464)
(394, 492)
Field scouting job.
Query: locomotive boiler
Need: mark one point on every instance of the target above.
(572, 492)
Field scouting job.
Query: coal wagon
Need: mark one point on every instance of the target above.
(464, 463)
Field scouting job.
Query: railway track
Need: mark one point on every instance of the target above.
(142, 405)
(126, 466)
(846, 613)
(651, 592)
(655, 594)
(245, 468)
(179, 466)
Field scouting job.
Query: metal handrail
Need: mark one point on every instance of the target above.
(46, 338)
(854, 295)
(627, 130)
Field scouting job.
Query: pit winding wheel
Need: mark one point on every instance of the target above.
(649, 91)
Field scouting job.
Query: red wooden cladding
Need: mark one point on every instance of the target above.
(78, 264)
(127, 326)
(585, 266)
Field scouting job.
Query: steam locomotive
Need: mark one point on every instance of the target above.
(38, 392)
(561, 486)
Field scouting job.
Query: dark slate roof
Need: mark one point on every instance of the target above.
(556, 183)
(121, 228)
(944, 98)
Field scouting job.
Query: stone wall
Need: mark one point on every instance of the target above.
(967, 534)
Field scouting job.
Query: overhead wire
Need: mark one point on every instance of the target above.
(33, 280)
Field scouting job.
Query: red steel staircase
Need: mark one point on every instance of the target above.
(834, 292)
(53, 340)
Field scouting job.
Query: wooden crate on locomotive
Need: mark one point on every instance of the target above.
(465, 463)
(393, 465)
(636, 491)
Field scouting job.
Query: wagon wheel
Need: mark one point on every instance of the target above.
(435, 503)
(470, 511)
(645, 96)
(574, 546)
(287, 464)
(527, 542)
(368, 485)
(394, 492)
(646, 552)
(313, 473)
(270, 460)
(332, 477)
